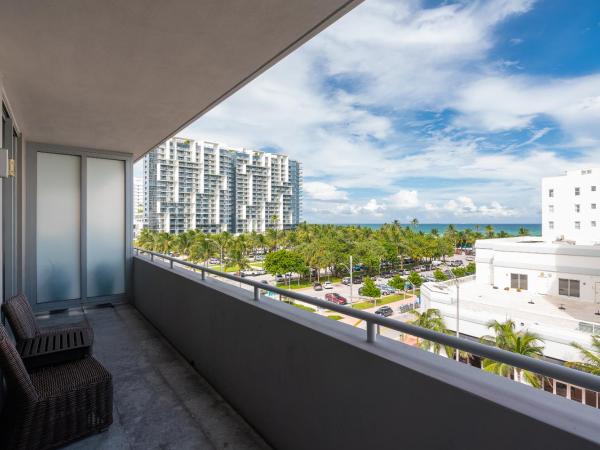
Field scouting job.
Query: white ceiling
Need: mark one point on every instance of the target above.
(124, 75)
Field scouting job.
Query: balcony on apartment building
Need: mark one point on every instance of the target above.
(201, 359)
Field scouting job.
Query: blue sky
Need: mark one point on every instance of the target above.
(444, 111)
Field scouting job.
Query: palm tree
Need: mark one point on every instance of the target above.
(489, 231)
(523, 231)
(432, 320)
(414, 223)
(236, 256)
(521, 342)
(202, 250)
(591, 358)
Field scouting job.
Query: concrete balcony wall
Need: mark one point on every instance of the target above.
(307, 382)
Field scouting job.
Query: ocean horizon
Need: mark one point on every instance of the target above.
(535, 229)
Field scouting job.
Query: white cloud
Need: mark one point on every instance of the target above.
(400, 57)
(404, 199)
(503, 103)
(318, 190)
(464, 206)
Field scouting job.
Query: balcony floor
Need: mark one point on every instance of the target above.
(160, 401)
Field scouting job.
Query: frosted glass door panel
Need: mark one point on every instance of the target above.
(105, 227)
(57, 227)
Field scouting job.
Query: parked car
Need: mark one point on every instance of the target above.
(357, 280)
(279, 278)
(328, 285)
(214, 261)
(346, 280)
(336, 298)
(260, 272)
(247, 273)
(386, 290)
(384, 311)
(317, 286)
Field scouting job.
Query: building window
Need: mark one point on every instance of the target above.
(518, 281)
(577, 191)
(550, 192)
(578, 225)
(551, 208)
(593, 188)
(551, 225)
(570, 288)
(593, 224)
(593, 206)
(577, 208)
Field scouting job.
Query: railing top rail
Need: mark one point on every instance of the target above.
(538, 366)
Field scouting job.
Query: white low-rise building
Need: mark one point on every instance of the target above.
(549, 268)
(549, 284)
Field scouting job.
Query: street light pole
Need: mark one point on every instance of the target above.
(351, 269)
(457, 311)
(457, 315)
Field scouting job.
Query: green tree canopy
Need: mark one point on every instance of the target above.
(415, 279)
(439, 275)
(284, 261)
(369, 289)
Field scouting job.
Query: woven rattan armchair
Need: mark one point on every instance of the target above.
(50, 407)
(24, 326)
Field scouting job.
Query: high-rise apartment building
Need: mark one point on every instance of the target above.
(138, 205)
(571, 207)
(207, 186)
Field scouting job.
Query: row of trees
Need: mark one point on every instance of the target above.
(506, 337)
(320, 247)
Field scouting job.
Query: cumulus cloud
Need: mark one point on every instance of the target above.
(371, 208)
(404, 199)
(335, 105)
(318, 190)
(464, 206)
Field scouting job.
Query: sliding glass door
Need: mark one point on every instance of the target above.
(81, 227)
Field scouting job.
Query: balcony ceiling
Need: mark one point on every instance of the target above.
(125, 75)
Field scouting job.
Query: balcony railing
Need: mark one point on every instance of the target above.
(540, 367)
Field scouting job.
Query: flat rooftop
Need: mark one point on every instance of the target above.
(160, 401)
(537, 244)
(480, 304)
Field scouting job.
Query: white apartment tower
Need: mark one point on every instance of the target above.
(571, 207)
(207, 186)
(138, 205)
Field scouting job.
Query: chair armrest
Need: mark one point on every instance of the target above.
(56, 347)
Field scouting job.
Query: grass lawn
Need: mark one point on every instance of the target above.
(256, 265)
(298, 305)
(382, 301)
(305, 283)
(335, 317)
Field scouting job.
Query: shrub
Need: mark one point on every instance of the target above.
(439, 275)
(459, 272)
(397, 282)
(470, 268)
(415, 279)
(369, 289)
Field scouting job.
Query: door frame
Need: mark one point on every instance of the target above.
(31, 151)
(10, 208)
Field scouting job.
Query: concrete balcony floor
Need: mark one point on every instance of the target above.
(160, 401)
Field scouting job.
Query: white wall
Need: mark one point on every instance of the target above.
(564, 215)
(543, 263)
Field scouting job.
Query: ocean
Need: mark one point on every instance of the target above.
(535, 229)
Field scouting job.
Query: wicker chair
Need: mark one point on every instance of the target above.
(53, 406)
(23, 324)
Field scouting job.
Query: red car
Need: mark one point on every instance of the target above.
(336, 298)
